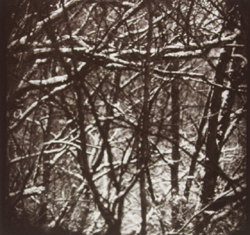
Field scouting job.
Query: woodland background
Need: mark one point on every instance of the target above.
(126, 117)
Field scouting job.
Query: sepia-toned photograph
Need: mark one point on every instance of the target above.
(126, 117)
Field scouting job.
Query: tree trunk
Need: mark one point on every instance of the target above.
(212, 148)
(145, 126)
(114, 228)
(199, 143)
(46, 173)
(175, 150)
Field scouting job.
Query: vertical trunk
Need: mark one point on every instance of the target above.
(199, 143)
(114, 228)
(143, 201)
(175, 150)
(212, 144)
(217, 128)
(145, 126)
(46, 174)
(212, 148)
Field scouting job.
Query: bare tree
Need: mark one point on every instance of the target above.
(126, 117)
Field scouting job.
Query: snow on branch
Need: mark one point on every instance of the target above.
(235, 118)
(33, 155)
(64, 142)
(131, 57)
(180, 73)
(18, 159)
(50, 81)
(177, 50)
(128, 81)
(29, 191)
(58, 156)
(183, 54)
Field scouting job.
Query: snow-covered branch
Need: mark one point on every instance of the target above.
(50, 81)
(29, 191)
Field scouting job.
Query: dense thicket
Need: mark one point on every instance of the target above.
(126, 117)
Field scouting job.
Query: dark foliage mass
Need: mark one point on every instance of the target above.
(126, 117)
